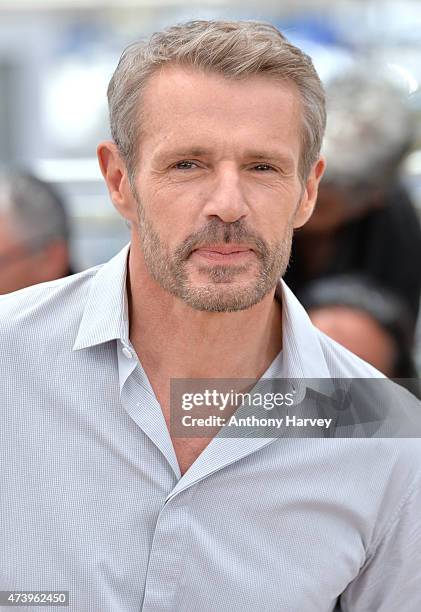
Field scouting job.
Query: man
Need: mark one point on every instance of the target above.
(217, 128)
(34, 232)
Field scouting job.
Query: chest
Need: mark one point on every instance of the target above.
(187, 450)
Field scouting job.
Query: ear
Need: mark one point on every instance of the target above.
(115, 175)
(309, 197)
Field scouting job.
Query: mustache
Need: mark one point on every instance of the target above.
(220, 232)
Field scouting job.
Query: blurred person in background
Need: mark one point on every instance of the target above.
(369, 321)
(364, 221)
(34, 232)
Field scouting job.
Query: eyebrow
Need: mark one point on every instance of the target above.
(278, 155)
(182, 153)
(249, 153)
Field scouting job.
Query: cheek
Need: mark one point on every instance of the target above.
(279, 204)
(173, 212)
(274, 224)
(171, 224)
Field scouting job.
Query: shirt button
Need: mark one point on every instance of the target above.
(127, 352)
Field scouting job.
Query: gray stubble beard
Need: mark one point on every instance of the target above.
(220, 293)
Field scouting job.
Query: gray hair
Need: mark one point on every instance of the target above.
(235, 49)
(370, 128)
(36, 211)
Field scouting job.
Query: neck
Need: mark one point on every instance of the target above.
(176, 341)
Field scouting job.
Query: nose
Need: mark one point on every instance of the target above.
(226, 198)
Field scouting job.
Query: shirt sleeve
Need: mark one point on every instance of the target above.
(390, 580)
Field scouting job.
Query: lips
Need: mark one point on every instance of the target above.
(226, 249)
(224, 254)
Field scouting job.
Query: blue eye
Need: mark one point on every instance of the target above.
(263, 167)
(185, 165)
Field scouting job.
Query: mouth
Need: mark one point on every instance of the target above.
(224, 253)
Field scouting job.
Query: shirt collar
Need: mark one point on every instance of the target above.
(105, 318)
(300, 339)
(304, 362)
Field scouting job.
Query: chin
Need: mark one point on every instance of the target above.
(215, 297)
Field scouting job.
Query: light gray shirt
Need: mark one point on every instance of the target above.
(92, 500)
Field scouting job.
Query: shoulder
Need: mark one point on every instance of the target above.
(341, 362)
(377, 396)
(375, 401)
(37, 313)
(382, 425)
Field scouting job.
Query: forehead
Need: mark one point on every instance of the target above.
(185, 103)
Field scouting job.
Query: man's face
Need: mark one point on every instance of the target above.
(217, 186)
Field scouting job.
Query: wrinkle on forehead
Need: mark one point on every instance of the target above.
(183, 101)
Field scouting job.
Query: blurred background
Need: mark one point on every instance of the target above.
(57, 56)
